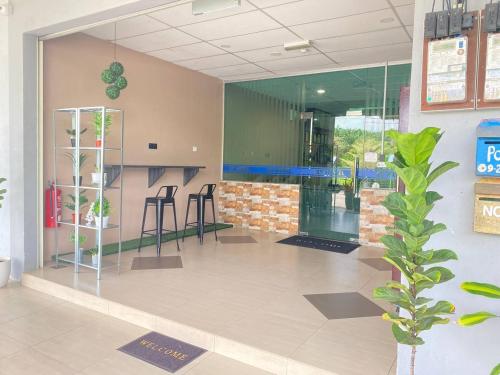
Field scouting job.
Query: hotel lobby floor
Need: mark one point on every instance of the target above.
(246, 301)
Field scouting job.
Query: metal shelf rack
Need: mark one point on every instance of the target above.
(76, 257)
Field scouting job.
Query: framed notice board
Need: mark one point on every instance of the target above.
(488, 80)
(449, 72)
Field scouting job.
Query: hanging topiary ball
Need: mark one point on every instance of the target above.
(112, 92)
(121, 82)
(116, 68)
(108, 76)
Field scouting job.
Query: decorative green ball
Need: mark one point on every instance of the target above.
(108, 76)
(121, 82)
(112, 92)
(116, 68)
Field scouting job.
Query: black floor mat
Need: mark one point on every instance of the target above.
(320, 244)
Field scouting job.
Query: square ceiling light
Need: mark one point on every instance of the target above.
(209, 6)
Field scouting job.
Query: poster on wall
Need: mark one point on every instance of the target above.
(447, 71)
(492, 77)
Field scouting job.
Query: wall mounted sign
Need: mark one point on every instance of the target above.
(487, 207)
(488, 75)
(488, 149)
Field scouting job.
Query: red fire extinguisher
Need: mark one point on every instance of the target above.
(53, 206)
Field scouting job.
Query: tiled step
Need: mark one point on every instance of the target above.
(250, 355)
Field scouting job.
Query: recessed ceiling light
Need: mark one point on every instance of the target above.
(320, 91)
(303, 50)
(225, 46)
(387, 20)
(275, 53)
(200, 7)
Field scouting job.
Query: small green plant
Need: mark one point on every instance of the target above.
(411, 232)
(97, 123)
(106, 207)
(2, 191)
(485, 290)
(82, 158)
(348, 185)
(93, 251)
(72, 203)
(72, 132)
(81, 239)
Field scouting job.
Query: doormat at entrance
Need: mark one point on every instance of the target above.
(320, 244)
(162, 351)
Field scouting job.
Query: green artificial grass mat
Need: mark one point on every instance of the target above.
(128, 245)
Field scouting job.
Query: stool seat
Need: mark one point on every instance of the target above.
(162, 200)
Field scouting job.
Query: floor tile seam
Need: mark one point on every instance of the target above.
(309, 338)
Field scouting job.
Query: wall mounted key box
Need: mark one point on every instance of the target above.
(488, 148)
(487, 206)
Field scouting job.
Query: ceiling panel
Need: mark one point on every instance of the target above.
(157, 40)
(406, 14)
(233, 70)
(212, 62)
(373, 55)
(297, 63)
(258, 40)
(251, 76)
(266, 54)
(190, 51)
(348, 25)
(397, 3)
(270, 3)
(183, 14)
(239, 24)
(365, 40)
(127, 28)
(315, 10)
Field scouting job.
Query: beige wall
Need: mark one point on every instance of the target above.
(163, 103)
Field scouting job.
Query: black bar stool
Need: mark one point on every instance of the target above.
(206, 194)
(160, 202)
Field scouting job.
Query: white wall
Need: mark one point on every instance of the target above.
(452, 349)
(18, 124)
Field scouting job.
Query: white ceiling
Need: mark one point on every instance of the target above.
(247, 42)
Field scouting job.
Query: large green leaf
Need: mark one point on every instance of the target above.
(404, 337)
(395, 244)
(399, 264)
(431, 197)
(446, 274)
(430, 228)
(443, 168)
(475, 318)
(415, 148)
(441, 307)
(392, 296)
(496, 370)
(427, 323)
(395, 205)
(438, 256)
(487, 290)
(414, 180)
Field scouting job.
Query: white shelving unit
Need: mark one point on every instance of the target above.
(76, 257)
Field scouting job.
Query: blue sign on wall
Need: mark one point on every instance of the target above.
(488, 149)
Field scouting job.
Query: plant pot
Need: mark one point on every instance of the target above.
(98, 143)
(95, 259)
(73, 218)
(4, 271)
(79, 255)
(96, 178)
(80, 180)
(105, 221)
(349, 200)
(357, 204)
(73, 142)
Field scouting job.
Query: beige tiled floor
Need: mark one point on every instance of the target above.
(253, 294)
(52, 337)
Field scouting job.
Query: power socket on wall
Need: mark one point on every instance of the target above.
(195, 148)
(153, 146)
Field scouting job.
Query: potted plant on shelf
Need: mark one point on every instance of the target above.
(348, 193)
(94, 252)
(96, 176)
(82, 199)
(4, 261)
(81, 241)
(104, 213)
(97, 123)
(82, 158)
(72, 135)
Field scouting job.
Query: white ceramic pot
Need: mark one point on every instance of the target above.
(96, 178)
(105, 221)
(94, 260)
(4, 271)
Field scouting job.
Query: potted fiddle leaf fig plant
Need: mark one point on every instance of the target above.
(406, 245)
(4, 261)
(72, 135)
(82, 158)
(98, 128)
(71, 204)
(104, 213)
(485, 290)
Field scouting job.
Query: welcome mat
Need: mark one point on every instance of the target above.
(162, 351)
(320, 244)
